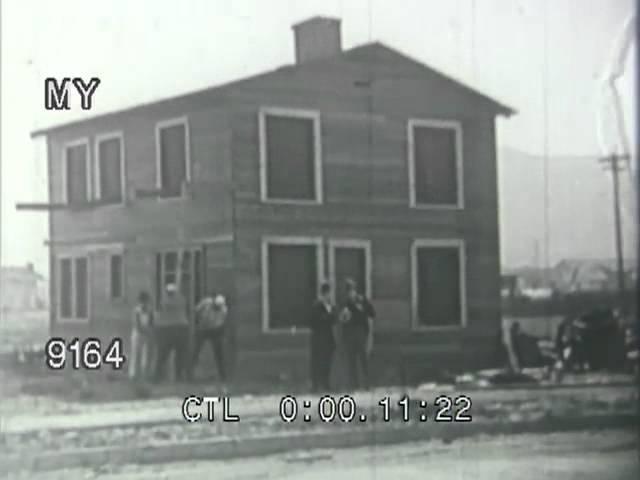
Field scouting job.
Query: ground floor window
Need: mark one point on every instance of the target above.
(116, 276)
(73, 291)
(291, 273)
(438, 283)
(185, 265)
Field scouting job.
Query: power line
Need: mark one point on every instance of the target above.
(545, 105)
(616, 163)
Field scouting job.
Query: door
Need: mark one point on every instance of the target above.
(349, 259)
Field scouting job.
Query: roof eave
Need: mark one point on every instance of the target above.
(506, 111)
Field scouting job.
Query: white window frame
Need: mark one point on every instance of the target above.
(454, 125)
(122, 277)
(365, 245)
(76, 143)
(72, 257)
(286, 241)
(179, 251)
(462, 260)
(184, 120)
(123, 176)
(314, 115)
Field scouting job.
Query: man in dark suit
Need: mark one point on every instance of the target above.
(357, 328)
(322, 339)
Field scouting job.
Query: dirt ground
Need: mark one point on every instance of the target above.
(607, 454)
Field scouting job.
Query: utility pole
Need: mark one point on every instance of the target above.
(615, 164)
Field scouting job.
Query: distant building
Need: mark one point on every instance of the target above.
(586, 275)
(22, 288)
(529, 278)
(512, 286)
(567, 276)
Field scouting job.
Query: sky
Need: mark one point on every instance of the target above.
(146, 50)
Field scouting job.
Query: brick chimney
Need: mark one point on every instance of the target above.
(317, 38)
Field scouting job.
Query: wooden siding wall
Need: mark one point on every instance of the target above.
(366, 196)
(146, 225)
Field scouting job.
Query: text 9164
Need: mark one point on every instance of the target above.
(86, 355)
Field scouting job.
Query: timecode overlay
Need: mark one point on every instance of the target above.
(344, 409)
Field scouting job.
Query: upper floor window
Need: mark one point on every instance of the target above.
(172, 155)
(435, 163)
(290, 156)
(110, 171)
(76, 172)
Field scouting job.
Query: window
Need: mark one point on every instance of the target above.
(290, 156)
(66, 293)
(173, 162)
(435, 163)
(191, 273)
(76, 172)
(116, 276)
(110, 168)
(291, 272)
(73, 289)
(438, 283)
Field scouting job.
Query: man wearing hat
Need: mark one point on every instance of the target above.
(211, 319)
(356, 319)
(323, 344)
(172, 332)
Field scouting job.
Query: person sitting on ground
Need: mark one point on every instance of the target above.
(567, 344)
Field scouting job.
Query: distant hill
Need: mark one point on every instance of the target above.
(580, 209)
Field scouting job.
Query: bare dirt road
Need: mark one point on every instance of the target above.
(610, 455)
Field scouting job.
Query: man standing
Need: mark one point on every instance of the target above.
(141, 337)
(357, 323)
(322, 339)
(172, 333)
(211, 319)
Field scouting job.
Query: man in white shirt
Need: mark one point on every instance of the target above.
(172, 332)
(141, 337)
(211, 319)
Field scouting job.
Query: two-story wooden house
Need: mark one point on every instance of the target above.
(360, 162)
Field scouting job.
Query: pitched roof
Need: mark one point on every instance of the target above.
(378, 51)
(374, 52)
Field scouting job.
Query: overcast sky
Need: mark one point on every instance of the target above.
(145, 50)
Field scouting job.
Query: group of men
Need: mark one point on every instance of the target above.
(155, 335)
(349, 325)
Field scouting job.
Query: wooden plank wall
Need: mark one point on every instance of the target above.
(364, 142)
(144, 226)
